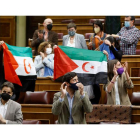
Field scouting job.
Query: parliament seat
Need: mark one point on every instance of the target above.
(137, 51)
(135, 98)
(31, 122)
(93, 20)
(60, 35)
(67, 21)
(37, 97)
(87, 35)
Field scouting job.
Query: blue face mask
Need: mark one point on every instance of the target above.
(71, 33)
(127, 24)
(73, 86)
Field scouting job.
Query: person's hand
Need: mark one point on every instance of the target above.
(40, 35)
(98, 37)
(108, 35)
(125, 66)
(115, 71)
(80, 88)
(106, 53)
(1, 42)
(42, 55)
(55, 46)
(90, 44)
(107, 42)
(115, 36)
(63, 89)
(2, 120)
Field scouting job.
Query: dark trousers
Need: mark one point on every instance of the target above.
(97, 93)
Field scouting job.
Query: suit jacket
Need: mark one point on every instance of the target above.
(122, 89)
(80, 106)
(52, 37)
(79, 41)
(13, 113)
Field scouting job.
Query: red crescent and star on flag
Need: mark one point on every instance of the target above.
(84, 64)
(25, 66)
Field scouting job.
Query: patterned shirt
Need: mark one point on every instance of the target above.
(129, 38)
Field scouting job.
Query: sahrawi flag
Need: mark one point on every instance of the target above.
(18, 64)
(90, 66)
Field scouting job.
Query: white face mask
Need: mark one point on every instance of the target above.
(48, 50)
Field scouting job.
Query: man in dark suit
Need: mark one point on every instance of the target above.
(10, 111)
(46, 34)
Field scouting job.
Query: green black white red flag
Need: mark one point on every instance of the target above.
(18, 66)
(90, 66)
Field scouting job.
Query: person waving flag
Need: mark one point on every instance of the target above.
(90, 66)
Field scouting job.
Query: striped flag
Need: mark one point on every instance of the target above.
(18, 64)
(90, 66)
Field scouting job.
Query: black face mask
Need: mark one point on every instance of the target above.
(5, 96)
(73, 86)
(49, 26)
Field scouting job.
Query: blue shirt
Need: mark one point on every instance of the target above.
(70, 101)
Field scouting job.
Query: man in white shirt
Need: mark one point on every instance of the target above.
(10, 111)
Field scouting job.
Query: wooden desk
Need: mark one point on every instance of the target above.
(40, 112)
(44, 112)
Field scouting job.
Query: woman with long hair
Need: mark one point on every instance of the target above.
(118, 82)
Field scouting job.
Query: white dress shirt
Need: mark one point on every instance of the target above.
(3, 109)
(117, 97)
(117, 92)
(71, 45)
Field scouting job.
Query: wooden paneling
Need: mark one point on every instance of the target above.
(32, 25)
(77, 19)
(44, 112)
(8, 29)
(62, 28)
(46, 84)
(133, 61)
(38, 112)
(135, 71)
